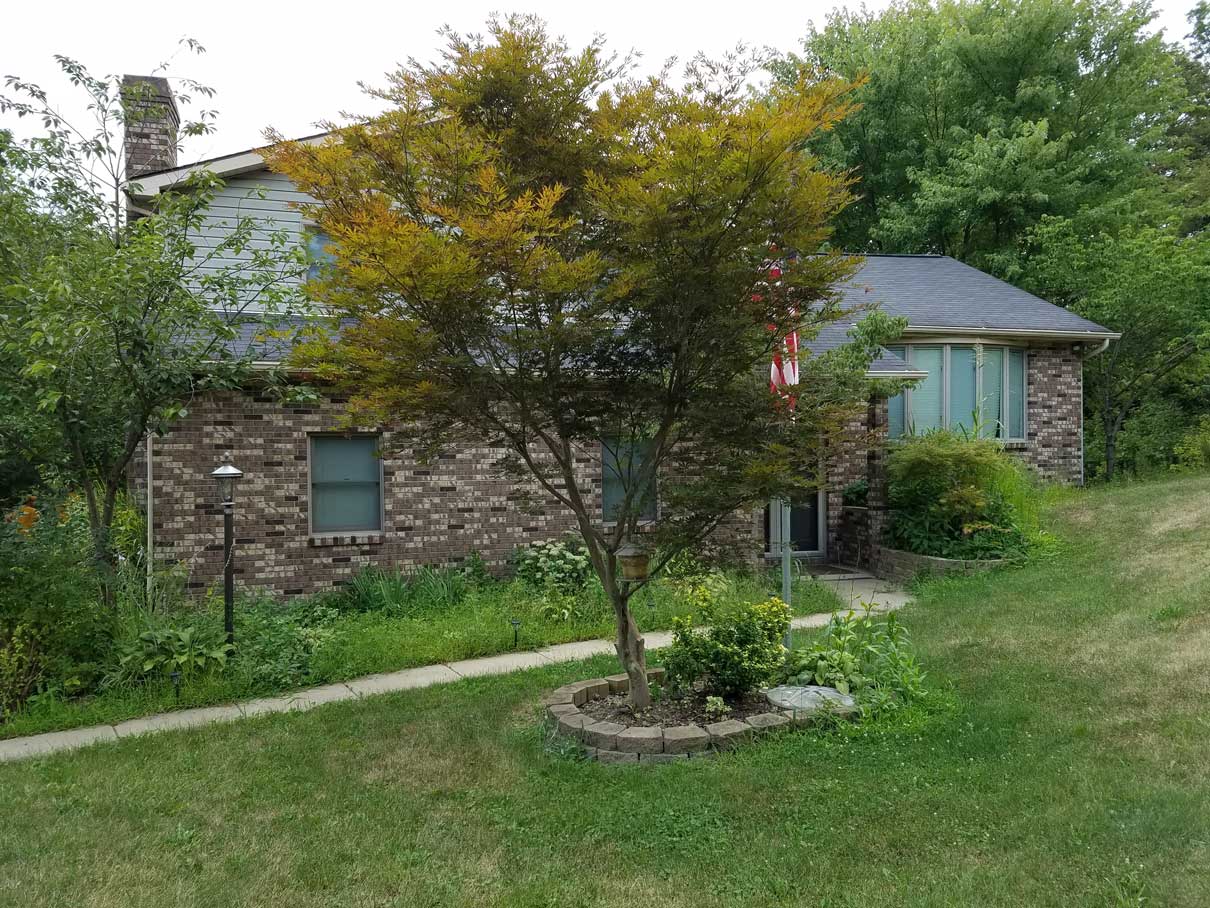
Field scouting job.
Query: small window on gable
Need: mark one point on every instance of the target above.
(622, 467)
(346, 484)
(319, 253)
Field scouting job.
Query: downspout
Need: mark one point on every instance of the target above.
(1097, 351)
(150, 553)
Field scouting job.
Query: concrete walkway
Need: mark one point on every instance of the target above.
(853, 589)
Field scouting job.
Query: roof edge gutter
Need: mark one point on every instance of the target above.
(1013, 332)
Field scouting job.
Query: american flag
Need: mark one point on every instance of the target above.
(783, 373)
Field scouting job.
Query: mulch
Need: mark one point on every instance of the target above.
(689, 709)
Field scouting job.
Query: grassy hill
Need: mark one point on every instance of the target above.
(1065, 762)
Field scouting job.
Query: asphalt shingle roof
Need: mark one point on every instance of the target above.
(936, 291)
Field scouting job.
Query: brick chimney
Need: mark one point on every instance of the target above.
(152, 121)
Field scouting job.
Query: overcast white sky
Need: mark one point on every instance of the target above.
(288, 65)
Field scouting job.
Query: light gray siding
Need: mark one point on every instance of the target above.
(263, 197)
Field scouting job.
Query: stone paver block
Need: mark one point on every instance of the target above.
(641, 739)
(663, 758)
(683, 739)
(602, 735)
(596, 688)
(619, 684)
(556, 697)
(765, 721)
(575, 691)
(572, 725)
(800, 717)
(616, 756)
(562, 709)
(35, 745)
(656, 674)
(728, 733)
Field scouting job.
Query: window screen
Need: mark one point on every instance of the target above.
(895, 406)
(1016, 393)
(319, 256)
(993, 425)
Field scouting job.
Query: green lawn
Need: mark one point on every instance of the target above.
(1064, 763)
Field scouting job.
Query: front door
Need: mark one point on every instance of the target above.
(805, 519)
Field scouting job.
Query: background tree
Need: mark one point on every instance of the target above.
(1155, 281)
(109, 323)
(980, 117)
(536, 253)
(991, 129)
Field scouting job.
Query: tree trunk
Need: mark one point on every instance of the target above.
(632, 651)
(1112, 425)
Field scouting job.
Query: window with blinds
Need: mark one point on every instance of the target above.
(968, 385)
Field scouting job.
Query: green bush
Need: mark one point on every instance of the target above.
(166, 649)
(53, 625)
(275, 643)
(869, 657)
(563, 565)
(740, 650)
(956, 496)
(424, 590)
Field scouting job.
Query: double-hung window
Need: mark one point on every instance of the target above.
(622, 470)
(346, 484)
(968, 385)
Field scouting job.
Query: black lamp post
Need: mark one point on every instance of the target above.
(226, 476)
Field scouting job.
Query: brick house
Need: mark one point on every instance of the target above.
(319, 502)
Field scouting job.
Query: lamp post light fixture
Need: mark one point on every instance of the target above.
(516, 623)
(635, 561)
(226, 476)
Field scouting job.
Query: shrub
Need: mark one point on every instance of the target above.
(563, 565)
(739, 651)
(856, 493)
(48, 590)
(869, 657)
(423, 590)
(953, 495)
(275, 643)
(159, 651)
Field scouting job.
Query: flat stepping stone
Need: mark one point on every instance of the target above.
(811, 698)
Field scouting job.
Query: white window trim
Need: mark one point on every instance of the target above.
(946, 417)
(382, 491)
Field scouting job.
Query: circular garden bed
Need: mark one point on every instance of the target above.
(594, 714)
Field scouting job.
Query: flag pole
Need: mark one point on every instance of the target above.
(786, 544)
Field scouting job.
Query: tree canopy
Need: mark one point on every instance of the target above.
(535, 251)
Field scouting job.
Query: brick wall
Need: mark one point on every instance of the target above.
(1055, 413)
(434, 513)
